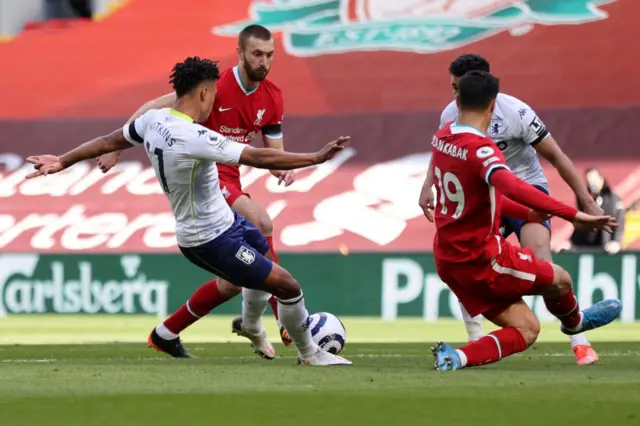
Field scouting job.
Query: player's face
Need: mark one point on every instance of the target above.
(207, 98)
(454, 85)
(595, 181)
(257, 57)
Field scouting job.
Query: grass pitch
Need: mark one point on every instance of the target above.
(89, 381)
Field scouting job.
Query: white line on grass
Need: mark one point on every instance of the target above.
(241, 358)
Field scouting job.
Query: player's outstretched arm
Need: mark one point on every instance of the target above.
(550, 150)
(268, 158)
(48, 164)
(512, 187)
(107, 161)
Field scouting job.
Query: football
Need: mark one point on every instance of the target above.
(328, 332)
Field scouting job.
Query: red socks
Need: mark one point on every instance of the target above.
(493, 347)
(273, 301)
(566, 309)
(203, 301)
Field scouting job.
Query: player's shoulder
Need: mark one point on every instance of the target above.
(511, 106)
(226, 75)
(449, 113)
(272, 89)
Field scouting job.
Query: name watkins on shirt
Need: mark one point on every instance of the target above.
(450, 149)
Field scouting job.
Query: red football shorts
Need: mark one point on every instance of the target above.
(489, 287)
(231, 188)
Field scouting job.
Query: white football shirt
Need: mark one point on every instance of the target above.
(184, 157)
(515, 128)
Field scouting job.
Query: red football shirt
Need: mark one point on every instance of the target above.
(467, 213)
(240, 114)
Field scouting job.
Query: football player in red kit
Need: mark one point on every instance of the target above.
(246, 104)
(489, 275)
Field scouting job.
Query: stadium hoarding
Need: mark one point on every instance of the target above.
(363, 200)
(350, 56)
(385, 285)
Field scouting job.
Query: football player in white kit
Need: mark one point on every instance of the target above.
(521, 136)
(184, 156)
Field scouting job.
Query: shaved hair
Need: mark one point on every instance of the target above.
(256, 31)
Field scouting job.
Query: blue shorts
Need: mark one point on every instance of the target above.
(510, 225)
(237, 255)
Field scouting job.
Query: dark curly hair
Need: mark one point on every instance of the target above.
(187, 75)
(468, 62)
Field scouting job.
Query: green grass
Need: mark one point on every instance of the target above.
(122, 384)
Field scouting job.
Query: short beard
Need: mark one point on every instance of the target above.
(253, 74)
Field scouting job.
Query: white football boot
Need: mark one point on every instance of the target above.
(323, 358)
(260, 343)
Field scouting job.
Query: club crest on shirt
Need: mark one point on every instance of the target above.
(259, 116)
(317, 27)
(496, 127)
(246, 255)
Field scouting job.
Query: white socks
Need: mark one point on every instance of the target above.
(293, 315)
(254, 303)
(472, 324)
(463, 358)
(165, 333)
(579, 339)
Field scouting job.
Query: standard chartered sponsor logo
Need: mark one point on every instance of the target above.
(31, 284)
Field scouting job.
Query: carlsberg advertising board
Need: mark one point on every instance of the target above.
(386, 285)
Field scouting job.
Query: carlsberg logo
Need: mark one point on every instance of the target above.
(29, 285)
(316, 27)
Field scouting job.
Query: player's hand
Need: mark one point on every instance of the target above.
(44, 165)
(592, 208)
(331, 149)
(427, 201)
(538, 217)
(107, 161)
(286, 176)
(612, 247)
(587, 222)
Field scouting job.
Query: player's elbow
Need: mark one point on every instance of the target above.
(254, 157)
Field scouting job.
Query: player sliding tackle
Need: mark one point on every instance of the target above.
(209, 234)
(488, 275)
(521, 136)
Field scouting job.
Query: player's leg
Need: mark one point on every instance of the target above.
(520, 329)
(258, 216)
(473, 324)
(165, 337)
(563, 304)
(512, 274)
(238, 256)
(537, 237)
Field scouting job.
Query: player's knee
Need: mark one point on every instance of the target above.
(561, 280)
(227, 289)
(541, 250)
(530, 329)
(283, 285)
(264, 224)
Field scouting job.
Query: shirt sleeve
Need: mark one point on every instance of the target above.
(273, 128)
(213, 146)
(521, 192)
(134, 131)
(485, 157)
(449, 114)
(533, 129)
